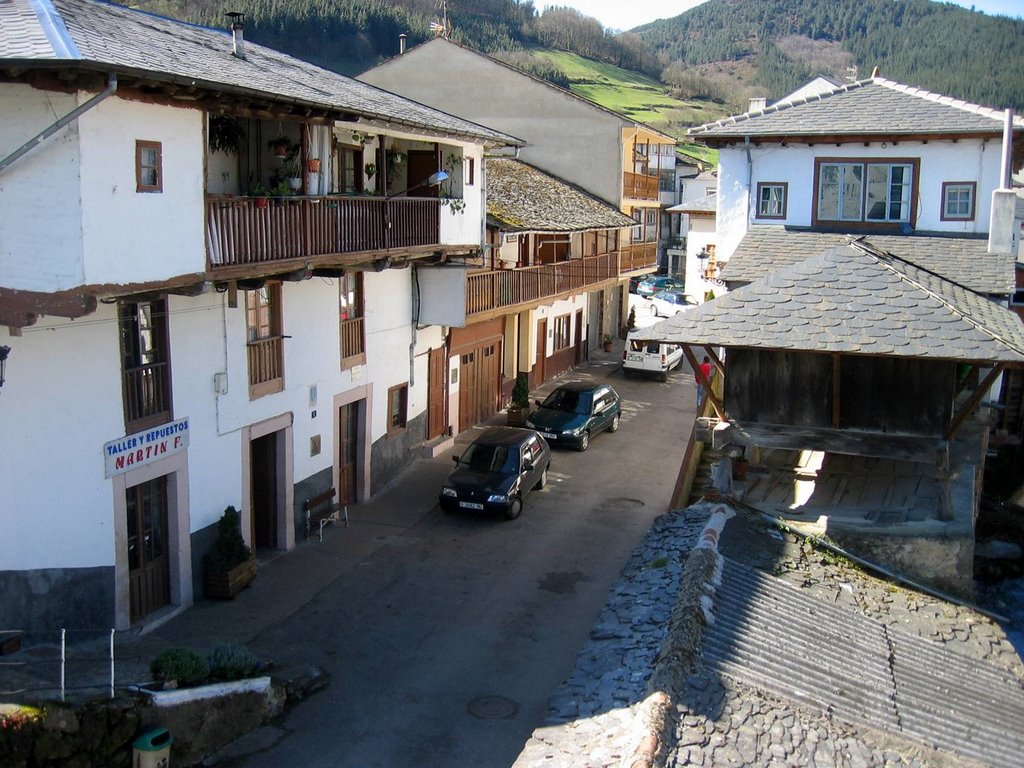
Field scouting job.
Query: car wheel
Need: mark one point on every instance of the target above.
(664, 376)
(543, 479)
(584, 441)
(514, 509)
(654, 311)
(614, 426)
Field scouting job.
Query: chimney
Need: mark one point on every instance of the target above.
(1001, 223)
(875, 72)
(758, 105)
(237, 38)
(401, 43)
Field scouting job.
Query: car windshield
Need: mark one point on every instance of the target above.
(490, 458)
(568, 400)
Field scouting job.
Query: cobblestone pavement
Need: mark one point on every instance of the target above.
(602, 716)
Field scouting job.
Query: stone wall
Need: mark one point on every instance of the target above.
(393, 454)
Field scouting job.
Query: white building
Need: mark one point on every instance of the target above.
(179, 340)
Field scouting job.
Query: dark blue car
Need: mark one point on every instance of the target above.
(496, 471)
(575, 412)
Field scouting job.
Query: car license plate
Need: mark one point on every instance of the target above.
(470, 505)
(549, 435)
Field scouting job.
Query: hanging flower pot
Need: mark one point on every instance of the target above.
(313, 165)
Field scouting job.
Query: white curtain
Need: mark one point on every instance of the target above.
(318, 183)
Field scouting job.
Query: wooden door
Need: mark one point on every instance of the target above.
(348, 452)
(542, 343)
(437, 393)
(263, 462)
(149, 583)
(480, 384)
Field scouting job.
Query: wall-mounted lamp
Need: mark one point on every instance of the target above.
(4, 352)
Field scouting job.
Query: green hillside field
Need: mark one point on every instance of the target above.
(632, 94)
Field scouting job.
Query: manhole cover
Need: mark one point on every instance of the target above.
(492, 707)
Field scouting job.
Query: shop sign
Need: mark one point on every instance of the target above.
(134, 451)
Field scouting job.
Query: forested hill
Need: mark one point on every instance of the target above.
(936, 46)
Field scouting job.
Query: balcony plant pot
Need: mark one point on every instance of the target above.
(295, 183)
(313, 165)
(261, 202)
(230, 566)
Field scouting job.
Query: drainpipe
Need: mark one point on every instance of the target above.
(39, 138)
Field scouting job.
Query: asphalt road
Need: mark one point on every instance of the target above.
(444, 645)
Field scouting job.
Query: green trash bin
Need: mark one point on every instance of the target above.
(152, 749)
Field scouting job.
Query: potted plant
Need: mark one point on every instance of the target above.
(607, 345)
(280, 189)
(313, 165)
(281, 146)
(370, 169)
(226, 134)
(230, 566)
(519, 408)
(259, 192)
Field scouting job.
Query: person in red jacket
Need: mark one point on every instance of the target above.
(705, 369)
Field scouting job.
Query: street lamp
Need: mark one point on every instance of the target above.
(435, 179)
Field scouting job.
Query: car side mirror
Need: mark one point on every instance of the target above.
(528, 467)
(455, 459)
(537, 402)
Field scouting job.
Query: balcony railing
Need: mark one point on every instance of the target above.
(639, 186)
(508, 287)
(147, 395)
(639, 256)
(353, 344)
(266, 366)
(250, 230)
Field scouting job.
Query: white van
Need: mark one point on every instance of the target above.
(651, 357)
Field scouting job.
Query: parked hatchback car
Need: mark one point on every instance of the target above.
(669, 303)
(575, 412)
(651, 285)
(496, 470)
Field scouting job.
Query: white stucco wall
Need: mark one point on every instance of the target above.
(940, 161)
(40, 198)
(62, 402)
(464, 227)
(568, 137)
(141, 236)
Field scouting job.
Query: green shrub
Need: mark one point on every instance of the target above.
(232, 661)
(521, 391)
(230, 549)
(180, 664)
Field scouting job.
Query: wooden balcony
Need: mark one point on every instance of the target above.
(639, 256)
(147, 396)
(266, 366)
(486, 291)
(353, 342)
(247, 230)
(639, 186)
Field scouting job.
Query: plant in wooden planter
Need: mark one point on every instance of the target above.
(519, 408)
(230, 566)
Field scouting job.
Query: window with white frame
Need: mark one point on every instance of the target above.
(865, 191)
(771, 199)
(958, 200)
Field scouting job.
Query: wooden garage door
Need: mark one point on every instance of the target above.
(480, 381)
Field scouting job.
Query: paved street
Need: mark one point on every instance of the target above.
(445, 643)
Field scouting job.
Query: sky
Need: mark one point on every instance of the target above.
(620, 15)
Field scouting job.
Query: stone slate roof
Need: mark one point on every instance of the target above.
(963, 260)
(706, 204)
(870, 107)
(853, 299)
(523, 198)
(111, 38)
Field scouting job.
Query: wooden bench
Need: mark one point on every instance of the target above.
(321, 510)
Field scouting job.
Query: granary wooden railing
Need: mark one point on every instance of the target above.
(250, 230)
(266, 365)
(638, 256)
(639, 186)
(508, 287)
